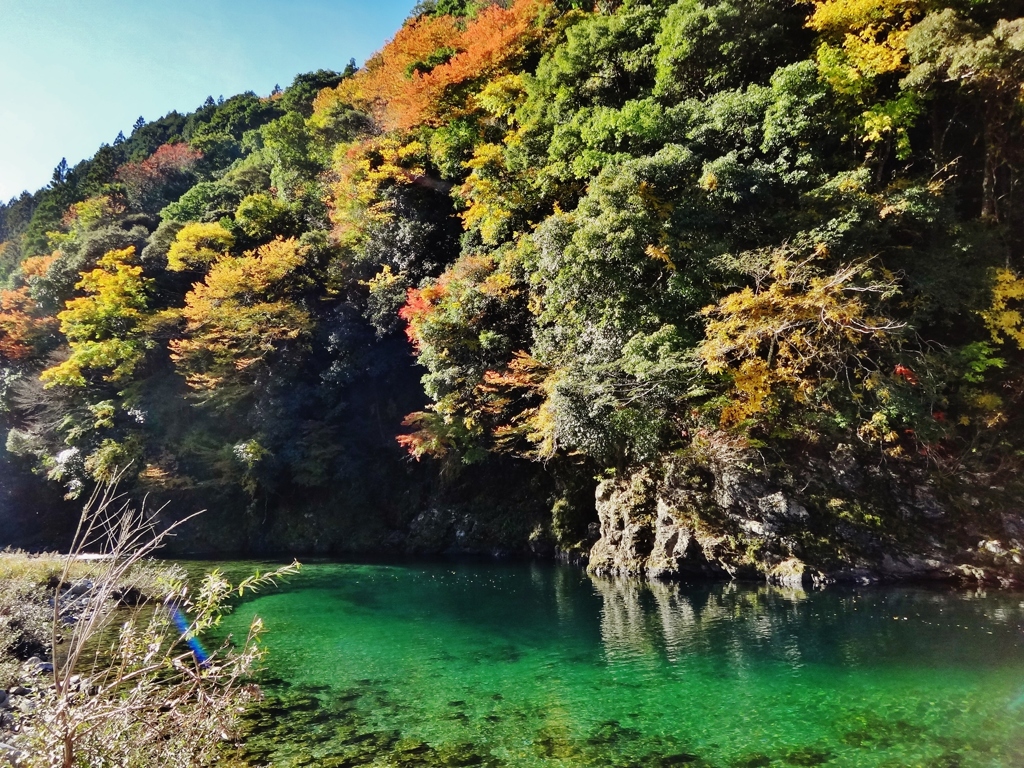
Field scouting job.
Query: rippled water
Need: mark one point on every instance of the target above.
(443, 664)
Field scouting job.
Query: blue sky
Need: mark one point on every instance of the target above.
(75, 72)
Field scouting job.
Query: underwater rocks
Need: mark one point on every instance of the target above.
(302, 726)
(308, 726)
(725, 511)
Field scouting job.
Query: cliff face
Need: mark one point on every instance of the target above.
(498, 509)
(720, 512)
(727, 511)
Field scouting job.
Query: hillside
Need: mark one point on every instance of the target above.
(750, 271)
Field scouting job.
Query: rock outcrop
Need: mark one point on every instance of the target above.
(724, 510)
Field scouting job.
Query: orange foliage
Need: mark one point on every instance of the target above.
(37, 266)
(906, 374)
(22, 325)
(418, 306)
(513, 400)
(433, 436)
(402, 89)
(471, 272)
(391, 70)
(16, 324)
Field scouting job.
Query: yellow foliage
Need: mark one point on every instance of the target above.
(986, 408)
(89, 213)
(104, 328)
(239, 316)
(382, 280)
(986, 401)
(872, 34)
(491, 194)
(544, 422)
(795, 330)
(752, 386)
(878, 430)
(502, 96)
(198, 245)
(364, 170)
(1004, 318)
(660, 254)
(709, 182)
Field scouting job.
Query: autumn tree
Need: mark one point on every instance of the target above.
(242, 319)
(803, 337)
(161, 178)
(427, 72)
(105, 328)
(24, 326)
(197, 245)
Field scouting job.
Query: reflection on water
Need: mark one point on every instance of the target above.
(533, 665)
(844, 628)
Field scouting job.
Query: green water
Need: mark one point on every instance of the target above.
(447, 664)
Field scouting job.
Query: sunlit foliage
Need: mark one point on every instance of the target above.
(426, 74)
(197, 246)
(606, 230)
(241, 320)
(105, 328)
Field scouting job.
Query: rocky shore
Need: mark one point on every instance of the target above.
(731, 514)
(28, 658)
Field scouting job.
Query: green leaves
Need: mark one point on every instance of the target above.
(105, 328)
(548, 196)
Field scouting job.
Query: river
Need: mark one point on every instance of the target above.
(518, 664)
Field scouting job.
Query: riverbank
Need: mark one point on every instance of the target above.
(29, 586)
(103, 662)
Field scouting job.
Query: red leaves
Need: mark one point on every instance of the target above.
(416, 307)
(420, 303)
(169, 158)
(165, 166)
(906, 374)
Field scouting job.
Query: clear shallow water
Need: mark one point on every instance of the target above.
(442, 664)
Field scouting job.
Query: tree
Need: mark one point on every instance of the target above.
(105, 328)
(704, 47)
(24, 327)
(160, 178)
(242, 319)
(198, 245)
(425, 74)
(60, 173)
(803, 335)
(987, 66)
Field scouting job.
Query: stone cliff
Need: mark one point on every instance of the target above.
(729, 511)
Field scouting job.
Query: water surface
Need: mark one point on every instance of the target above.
(441, 664)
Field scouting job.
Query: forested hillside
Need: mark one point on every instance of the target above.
(754, 269)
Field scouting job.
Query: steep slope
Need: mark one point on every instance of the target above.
(750, 269)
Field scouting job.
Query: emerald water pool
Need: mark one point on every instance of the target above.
(491, 664)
